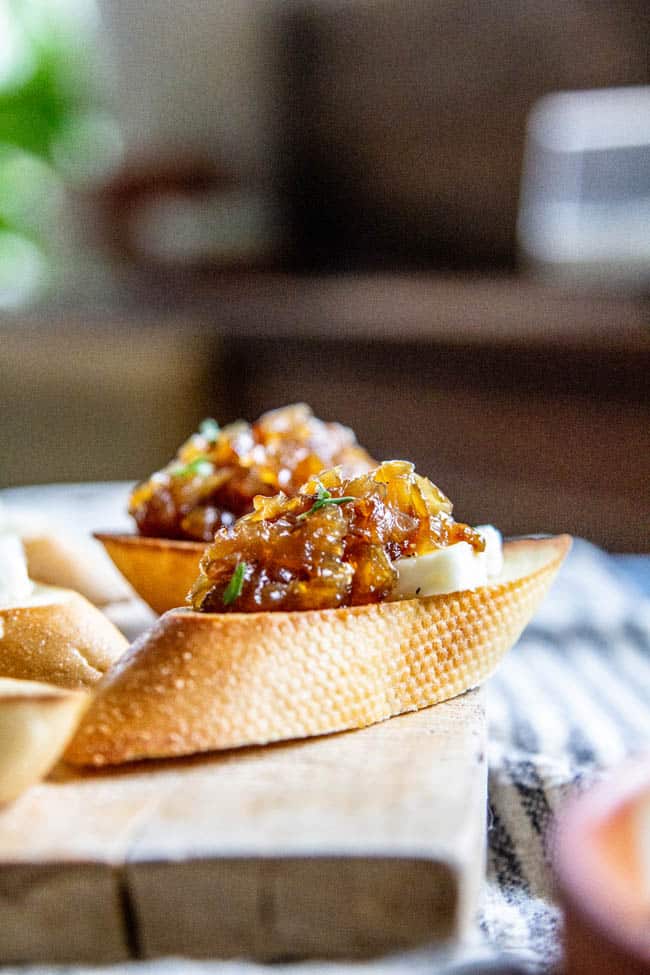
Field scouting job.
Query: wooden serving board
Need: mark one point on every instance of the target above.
(343, 846)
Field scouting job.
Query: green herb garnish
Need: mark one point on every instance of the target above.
(236, 584)
(209, 429)
(323, 497)
(200, 465)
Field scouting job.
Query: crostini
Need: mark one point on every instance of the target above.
(352, 601)
(65, 559)
(211, 482)
(36, 722)
(50, 634)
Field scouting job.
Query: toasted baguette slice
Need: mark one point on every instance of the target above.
(36, 723)
(201, 681)
(58, 637)
(161, 571)
(64, 557)
(74, 562)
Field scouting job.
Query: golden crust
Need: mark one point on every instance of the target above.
(161, 571)
(200, 681)
(36, 723)
(59, 638)
(78, 563)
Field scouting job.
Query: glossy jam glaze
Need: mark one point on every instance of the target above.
(217, 472)
(333, 544)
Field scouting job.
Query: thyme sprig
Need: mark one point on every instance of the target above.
(200, 465)
(234, 588)
(323, 497)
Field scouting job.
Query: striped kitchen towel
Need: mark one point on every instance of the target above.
(572, 699)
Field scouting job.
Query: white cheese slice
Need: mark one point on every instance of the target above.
(493, 549)
(15, 584)
(450, 569)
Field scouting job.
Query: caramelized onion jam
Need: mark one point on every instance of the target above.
(333, 544)
(217, 473)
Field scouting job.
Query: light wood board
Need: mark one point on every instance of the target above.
(338, 847)
(343, 846)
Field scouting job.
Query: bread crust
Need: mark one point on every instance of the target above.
(60, 639)
(162, 571)
(201, 681)
(78, 563)
(36, 722)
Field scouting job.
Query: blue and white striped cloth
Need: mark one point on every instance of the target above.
(572, 699)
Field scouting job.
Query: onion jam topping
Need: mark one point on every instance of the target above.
(218, 471)
(333, 544)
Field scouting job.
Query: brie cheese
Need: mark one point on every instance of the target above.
(451, 569)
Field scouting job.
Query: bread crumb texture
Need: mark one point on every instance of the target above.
(198, 682)
(62, 639)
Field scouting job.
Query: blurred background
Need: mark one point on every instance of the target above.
(429, 220)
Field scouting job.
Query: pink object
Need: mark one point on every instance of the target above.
(602, 864)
